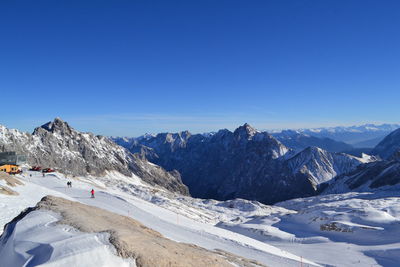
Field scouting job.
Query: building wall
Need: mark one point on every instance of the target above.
(9, 168)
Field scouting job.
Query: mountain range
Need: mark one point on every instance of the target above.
(245, 163)
(361, 136)
(299, 141)
(57, 145)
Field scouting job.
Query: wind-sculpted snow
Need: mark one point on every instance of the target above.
(154, 207)
(57, 145)
(245, 164)
(75, 230)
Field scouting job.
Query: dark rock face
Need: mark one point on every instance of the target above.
(57, 145)
(245, 164)
(389, 145)
(299, 141)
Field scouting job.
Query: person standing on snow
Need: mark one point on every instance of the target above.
(92, 192)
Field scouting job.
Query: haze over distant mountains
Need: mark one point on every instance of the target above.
(362, 136)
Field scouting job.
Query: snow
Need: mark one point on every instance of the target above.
(38, 240)
(174, 223)
(350, 229)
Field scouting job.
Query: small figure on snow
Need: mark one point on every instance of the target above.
(69, 184)
(92, 192)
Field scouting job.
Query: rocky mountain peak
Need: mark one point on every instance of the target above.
(57, 145)
(246, 131)
(57, 125)
(314, 150)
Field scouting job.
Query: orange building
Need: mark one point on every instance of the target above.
(11, 169)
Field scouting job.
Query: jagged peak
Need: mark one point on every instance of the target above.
(57, 125)
(246, 129)
(314, 150)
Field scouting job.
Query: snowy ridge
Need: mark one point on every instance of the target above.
(57, 145)
(375, 176)
(223, 165)
(361, 227)
(245, 163)
(322, 166)
(179, 227)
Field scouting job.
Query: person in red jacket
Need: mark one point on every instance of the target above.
(92, 192)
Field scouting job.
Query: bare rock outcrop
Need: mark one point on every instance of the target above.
(133, 240)
(57, 145)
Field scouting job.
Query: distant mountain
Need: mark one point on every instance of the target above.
(358, 152)
(245, 164)
(366, 135)
(299, 141)
(374, 175)
(321, 165)
(388, 146)
(57, 145)
(366, 177)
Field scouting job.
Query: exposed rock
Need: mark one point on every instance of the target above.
(7, 191)
(57, 145)
(10, 180)
(245, 164)
(132, 239)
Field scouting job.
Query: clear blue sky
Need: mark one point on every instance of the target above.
(130, 67)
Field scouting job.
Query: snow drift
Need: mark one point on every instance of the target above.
(84, 225)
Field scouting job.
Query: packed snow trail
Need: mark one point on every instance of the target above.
(170, 224)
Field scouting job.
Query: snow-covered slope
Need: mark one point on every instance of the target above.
(321, 165)
(135, 200)
(57, 145)
(38, 240)
(360, 227)
(375, 176)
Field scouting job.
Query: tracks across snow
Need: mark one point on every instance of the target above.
(171, 225)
